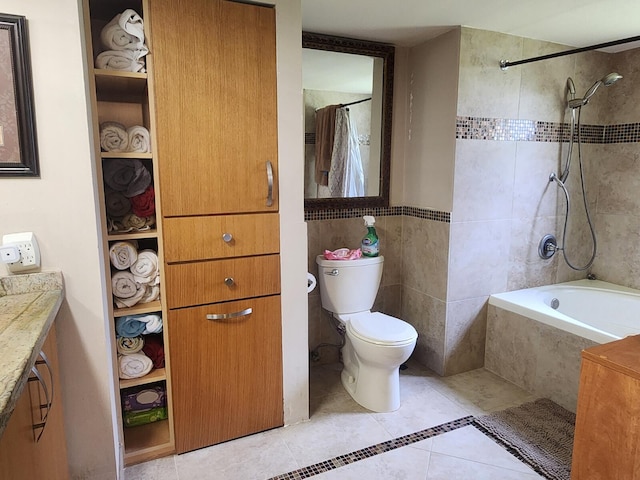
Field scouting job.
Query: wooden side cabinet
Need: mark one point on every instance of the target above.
(33, 445)
(607, 435)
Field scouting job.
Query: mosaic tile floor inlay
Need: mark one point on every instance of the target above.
(373, 450)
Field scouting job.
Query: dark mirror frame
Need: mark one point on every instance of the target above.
(385, 51)
(16, 26)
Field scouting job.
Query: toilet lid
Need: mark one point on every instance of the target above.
(376, 327)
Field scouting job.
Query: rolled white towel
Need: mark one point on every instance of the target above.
(123, 254)
(130, 177)
(129, 345)
(151, 294)
(122, 60)
(125, 31)
(126, 291)
(135, 365)
(113, 137)
(153, 323)
(139, 139)
(145, 269)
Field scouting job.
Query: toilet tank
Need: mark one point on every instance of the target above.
(349, 286)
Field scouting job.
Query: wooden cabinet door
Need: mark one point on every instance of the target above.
(21, 456)
(215, 97)
(226, 374)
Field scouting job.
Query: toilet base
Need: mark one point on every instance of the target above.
(376, 389)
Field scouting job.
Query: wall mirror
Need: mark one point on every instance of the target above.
(348, 95)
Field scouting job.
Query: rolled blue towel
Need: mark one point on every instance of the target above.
(130, 326)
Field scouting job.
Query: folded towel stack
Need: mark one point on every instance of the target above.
(137, 275)
(115, 137)
(134, 365)
(129, 195)
(123, 41)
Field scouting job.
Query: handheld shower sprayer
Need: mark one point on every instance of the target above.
(607, 80)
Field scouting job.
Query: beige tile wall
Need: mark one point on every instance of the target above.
(438, 275)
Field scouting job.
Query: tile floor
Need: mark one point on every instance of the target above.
(338, 425)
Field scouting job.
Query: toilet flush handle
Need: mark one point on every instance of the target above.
(333, 273)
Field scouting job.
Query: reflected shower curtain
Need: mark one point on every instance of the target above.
(346, 177)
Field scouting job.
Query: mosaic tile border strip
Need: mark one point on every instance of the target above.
(374, 450)
(331, 214)
(504, 129)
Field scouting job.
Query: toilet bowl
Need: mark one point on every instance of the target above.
(376, 344)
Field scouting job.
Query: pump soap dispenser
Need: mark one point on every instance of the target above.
(370, 244)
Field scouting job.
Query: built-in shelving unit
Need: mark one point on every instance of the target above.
(126, 97)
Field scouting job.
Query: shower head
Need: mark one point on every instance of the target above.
(571, 88)
(607, 80)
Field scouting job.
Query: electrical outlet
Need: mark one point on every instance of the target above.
(28, 249)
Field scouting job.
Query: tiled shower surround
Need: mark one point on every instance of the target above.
(485, 151)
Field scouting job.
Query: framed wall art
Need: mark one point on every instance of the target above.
(18, 145)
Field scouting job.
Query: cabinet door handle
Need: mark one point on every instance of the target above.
(269, 184)
(226, 316)
(227, 237)
(43, 422)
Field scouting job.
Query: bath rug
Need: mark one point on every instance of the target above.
(540, 433)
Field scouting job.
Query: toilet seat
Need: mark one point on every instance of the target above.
(381, 329)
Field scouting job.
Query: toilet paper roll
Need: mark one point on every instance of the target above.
(311, 282)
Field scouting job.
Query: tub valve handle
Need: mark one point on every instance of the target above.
(547, 247)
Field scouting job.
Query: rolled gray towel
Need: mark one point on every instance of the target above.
(130, 177)
(117, 204)
(113, 137)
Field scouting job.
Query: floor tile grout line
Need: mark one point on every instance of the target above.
(373, 450)
(511, 450)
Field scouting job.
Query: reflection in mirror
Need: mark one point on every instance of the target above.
(348, 91)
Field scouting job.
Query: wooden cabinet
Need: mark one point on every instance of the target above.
(33, 444)
(607, 435)
(228, 371)
(126, 97)
(215, 100)
(215, 84)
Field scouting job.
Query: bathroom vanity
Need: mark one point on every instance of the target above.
(607, 435)
(32, 439)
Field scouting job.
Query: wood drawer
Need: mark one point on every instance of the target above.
(201, 238)
(200, 283)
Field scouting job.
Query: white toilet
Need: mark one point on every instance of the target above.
(375, 344)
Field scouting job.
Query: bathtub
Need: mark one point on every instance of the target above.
(592, 309)
(535, 336)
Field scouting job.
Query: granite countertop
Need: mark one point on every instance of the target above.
(28, 305)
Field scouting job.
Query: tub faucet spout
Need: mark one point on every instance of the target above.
(591, 276)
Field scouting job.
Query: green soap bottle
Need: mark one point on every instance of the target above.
(370, 244)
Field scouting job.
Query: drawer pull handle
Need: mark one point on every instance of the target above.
(269, 184)
(227, 237)
(229, 282)
(226, 316)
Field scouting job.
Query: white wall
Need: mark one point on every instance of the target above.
(60, 208)
(293, 229)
